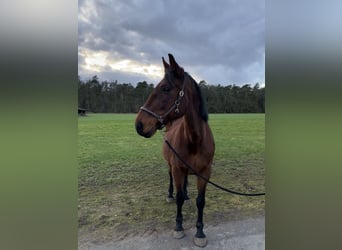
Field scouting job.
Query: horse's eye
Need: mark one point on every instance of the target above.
(166, 89)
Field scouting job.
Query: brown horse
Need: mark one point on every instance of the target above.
(177, 104)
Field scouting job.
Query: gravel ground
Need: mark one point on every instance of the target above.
(247, 234)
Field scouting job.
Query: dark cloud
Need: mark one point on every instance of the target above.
(220, 42)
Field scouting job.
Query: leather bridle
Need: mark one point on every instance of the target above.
(174, 107)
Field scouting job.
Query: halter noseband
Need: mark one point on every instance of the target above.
(175, 106)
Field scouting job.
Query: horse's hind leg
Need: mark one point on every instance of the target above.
(185, 191)
(200, 238)
(170, 198)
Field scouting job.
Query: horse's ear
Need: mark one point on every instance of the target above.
(178, 71)
(166, 65)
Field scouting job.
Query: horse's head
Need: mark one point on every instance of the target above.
(166, 102)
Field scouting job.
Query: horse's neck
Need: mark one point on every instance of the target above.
(193, 126)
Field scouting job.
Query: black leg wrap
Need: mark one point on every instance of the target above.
(199, 233)
(179, 224)
(200, 202)
(179, 217)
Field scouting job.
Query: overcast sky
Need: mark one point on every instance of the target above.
(221, 41)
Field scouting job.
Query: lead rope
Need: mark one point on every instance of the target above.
(205, 179)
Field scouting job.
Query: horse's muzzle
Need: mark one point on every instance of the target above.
(139, 126)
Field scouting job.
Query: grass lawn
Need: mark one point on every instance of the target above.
(123, 178)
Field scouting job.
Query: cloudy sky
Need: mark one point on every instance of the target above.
(221, 41)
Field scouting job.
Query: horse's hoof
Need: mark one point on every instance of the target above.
(169, 199)
(200, 242)
(178, 234)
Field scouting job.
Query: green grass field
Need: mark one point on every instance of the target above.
(123, 178)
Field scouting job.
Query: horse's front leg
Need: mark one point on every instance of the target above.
(178, 179)
(200, 238)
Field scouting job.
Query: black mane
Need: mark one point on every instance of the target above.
(203, 112)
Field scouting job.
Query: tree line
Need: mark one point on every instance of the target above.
(114, 97)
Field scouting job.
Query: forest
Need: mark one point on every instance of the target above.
(115, 97)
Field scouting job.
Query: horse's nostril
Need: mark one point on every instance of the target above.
(139, 127)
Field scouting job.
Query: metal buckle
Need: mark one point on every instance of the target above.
(177, 104)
